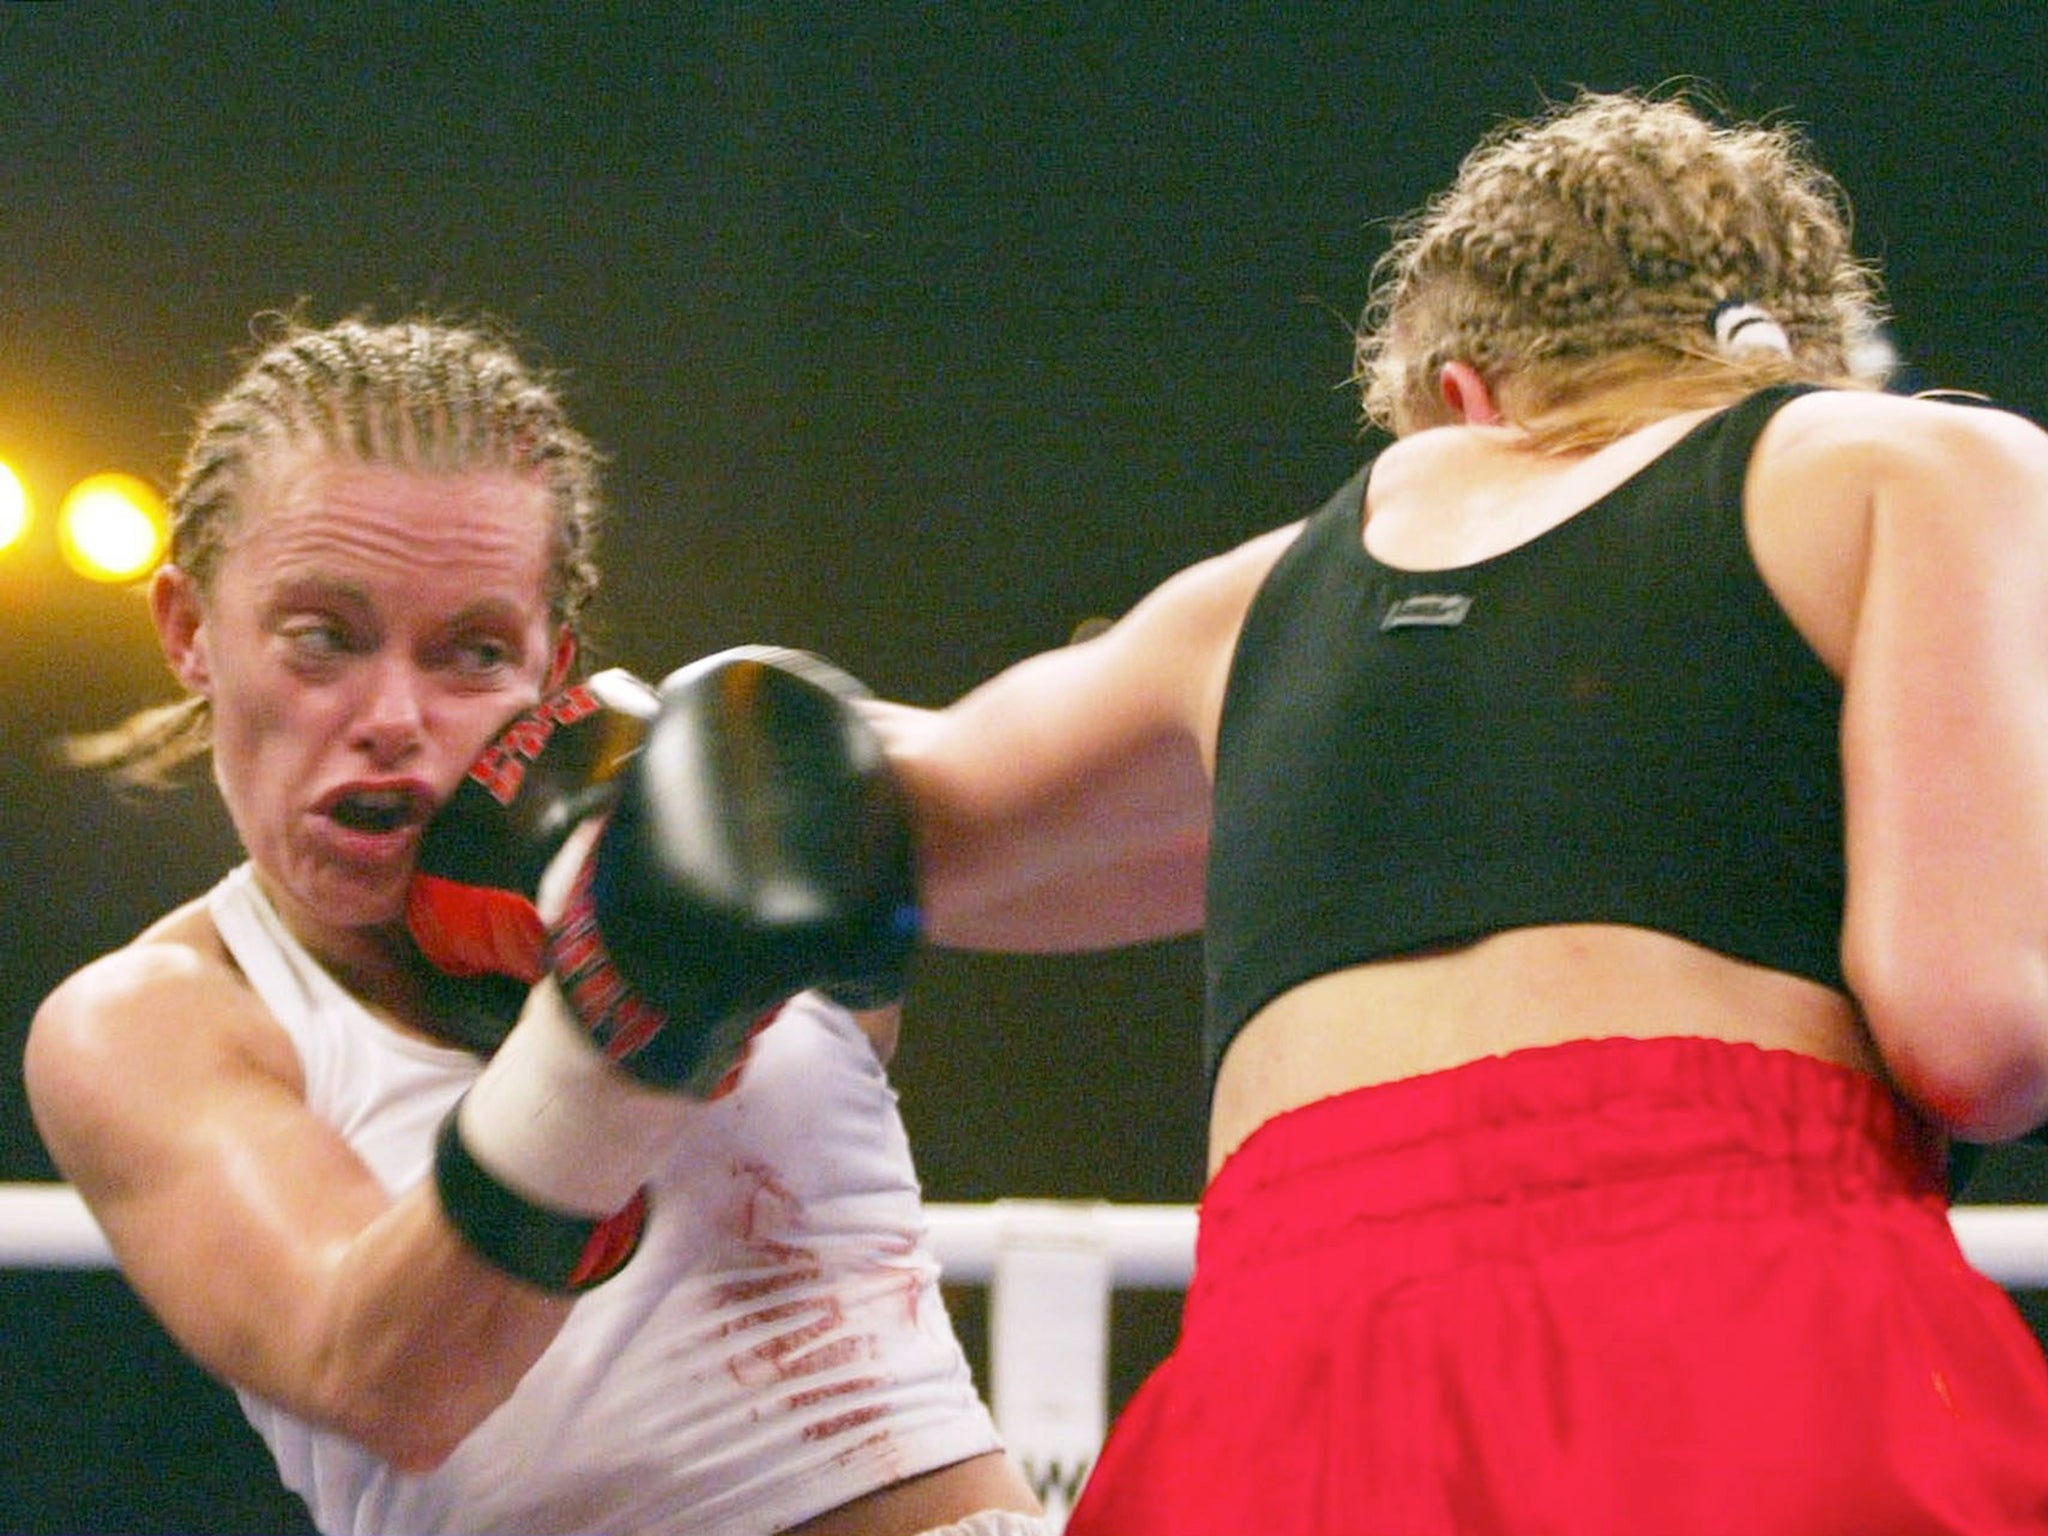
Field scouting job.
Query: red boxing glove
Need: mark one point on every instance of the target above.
(471, 906)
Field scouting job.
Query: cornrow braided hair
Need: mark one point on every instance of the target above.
(420, 393)
(1593, 245)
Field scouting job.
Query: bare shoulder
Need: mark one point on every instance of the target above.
(1865, 436)
(1843, 479)
(119, 1040)
(176, 961)
(1177, 645)
(1220, 588)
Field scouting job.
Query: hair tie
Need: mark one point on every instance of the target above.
(1740, 326)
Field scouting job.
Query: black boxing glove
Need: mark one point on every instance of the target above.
(753, 846)
(759, 847)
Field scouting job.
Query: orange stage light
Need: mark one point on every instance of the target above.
(112, 528)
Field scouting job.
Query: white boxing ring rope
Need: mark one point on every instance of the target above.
(1150, 1247)
(1147, 1247)
(1050, 1267)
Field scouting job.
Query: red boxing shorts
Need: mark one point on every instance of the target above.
(1647, 1288)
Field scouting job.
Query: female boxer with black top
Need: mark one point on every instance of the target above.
(1619, 826)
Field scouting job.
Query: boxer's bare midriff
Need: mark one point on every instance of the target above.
(1525, 987)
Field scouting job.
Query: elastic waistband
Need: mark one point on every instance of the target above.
(1587, 1140)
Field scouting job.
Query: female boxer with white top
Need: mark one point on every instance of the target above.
(381, 552)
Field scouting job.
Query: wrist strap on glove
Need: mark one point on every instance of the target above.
(557, 1252)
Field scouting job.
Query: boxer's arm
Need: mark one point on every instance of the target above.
(1944, 736)
(268, 1250)
(1064, 804)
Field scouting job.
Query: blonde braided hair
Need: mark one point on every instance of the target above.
(1578, 259)
(421, 393)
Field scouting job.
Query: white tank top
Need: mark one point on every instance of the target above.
(777, 1347)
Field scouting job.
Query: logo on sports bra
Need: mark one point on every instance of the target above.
(1427, 610)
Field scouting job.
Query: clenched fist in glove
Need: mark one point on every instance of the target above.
(666, 867)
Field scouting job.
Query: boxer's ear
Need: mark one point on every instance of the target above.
(1466, 395)
(180, 619)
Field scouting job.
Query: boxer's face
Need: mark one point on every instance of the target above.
(370, 628)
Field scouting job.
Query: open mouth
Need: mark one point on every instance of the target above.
(371, 810)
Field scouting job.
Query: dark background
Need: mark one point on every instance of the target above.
(919, 334)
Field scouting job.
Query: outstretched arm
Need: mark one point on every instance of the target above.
(1064, 804)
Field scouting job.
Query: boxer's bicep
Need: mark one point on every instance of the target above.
(174, 1106)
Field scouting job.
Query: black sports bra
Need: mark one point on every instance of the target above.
(1614, 722)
